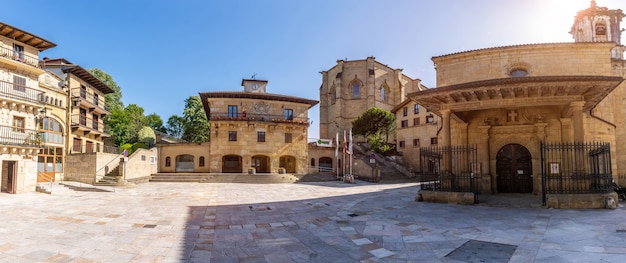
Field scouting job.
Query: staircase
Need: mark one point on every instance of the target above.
(109, 179)
(390, 171)
(224, 178)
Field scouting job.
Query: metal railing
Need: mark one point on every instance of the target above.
(18, 92)
(449, 168)
(88, 122)
(90, 98)
(20, 56)
(92, 148)
(576, 168)
(19, 136)
(259, 117)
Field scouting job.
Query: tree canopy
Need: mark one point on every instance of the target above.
(374, 121)
(113, 100)
(196, 127)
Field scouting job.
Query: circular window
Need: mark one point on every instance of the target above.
(518, 73)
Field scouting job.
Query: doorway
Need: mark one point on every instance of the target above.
(261, 163)
(8, 177)
(514, 169)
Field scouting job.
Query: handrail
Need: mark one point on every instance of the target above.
(96, 174)
(46, 176)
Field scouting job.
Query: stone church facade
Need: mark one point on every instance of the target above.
(508, 100)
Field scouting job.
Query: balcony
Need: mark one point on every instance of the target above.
(259, 118)
(18, 93)
(90, 101)
(21, 60)
(18, 136)
(87, 125)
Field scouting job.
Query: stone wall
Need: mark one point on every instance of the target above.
(172, 150)
(141, 164)
(86, 166)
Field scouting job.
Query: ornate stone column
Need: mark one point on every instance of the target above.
(484, 160)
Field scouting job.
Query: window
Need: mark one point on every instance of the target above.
(18, 52)
(19, 83)
(416, 109)
(94, 121)
(232, 110)
(312, 162)
(416, 142)
(356, 90)
(143, 157)
(96, 99)
(260, 136)
(600, 29)
(416, 121)
(430, 119)
(288, 137)
(401, 144)
(433, 140)
(383, 96)
(232, 136)
(405, 111)
(404, 123)
(51, 131)
(288, 114)
(519, 73)
(18, 124)
(201, 161)
(168, 161)
(83, 92)
(82, 117)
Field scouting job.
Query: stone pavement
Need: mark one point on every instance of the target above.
(303, 222)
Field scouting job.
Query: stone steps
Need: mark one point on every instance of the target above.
(224, 178)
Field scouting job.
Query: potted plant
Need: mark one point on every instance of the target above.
(282, 170)
(251, 170)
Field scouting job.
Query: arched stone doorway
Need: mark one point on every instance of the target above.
(326, 164)
(261, 163)
(289, 163)
(184, 163)
(514, 169)
(231, 164)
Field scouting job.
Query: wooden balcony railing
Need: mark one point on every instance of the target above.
(19, 56)
(19, 136)
(18, 92)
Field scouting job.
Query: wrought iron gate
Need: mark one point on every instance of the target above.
(450, 168)
(575, 168)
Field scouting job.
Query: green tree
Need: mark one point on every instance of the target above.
(374, 121)
(124, 124)
(196, 127)
(155, 122)
(175, 125)
(146, 135)
(113, 100)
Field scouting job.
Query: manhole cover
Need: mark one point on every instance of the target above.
(480, 251)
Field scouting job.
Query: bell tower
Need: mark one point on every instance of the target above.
(599, 24)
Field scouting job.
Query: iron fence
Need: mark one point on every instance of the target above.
(449, 168)
(576, 168)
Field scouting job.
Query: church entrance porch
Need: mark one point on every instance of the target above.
(514, 169)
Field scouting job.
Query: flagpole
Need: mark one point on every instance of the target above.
(344, 154)
(351, 154)
(337, 153)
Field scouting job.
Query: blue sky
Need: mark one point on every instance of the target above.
(161, 52)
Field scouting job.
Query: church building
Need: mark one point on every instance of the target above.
(537, 118)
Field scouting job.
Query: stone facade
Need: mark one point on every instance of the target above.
(352, 87)
(170, 155)
(20, 108)
(256, 129)
(527, 94)
(416, 127)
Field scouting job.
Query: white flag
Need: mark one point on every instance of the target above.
(350, 145)
(337, 145)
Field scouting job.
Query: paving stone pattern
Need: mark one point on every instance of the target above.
(303, 222)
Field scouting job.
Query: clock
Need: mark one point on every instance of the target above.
(255, 86)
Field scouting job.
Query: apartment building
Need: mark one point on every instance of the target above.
(21, 107)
